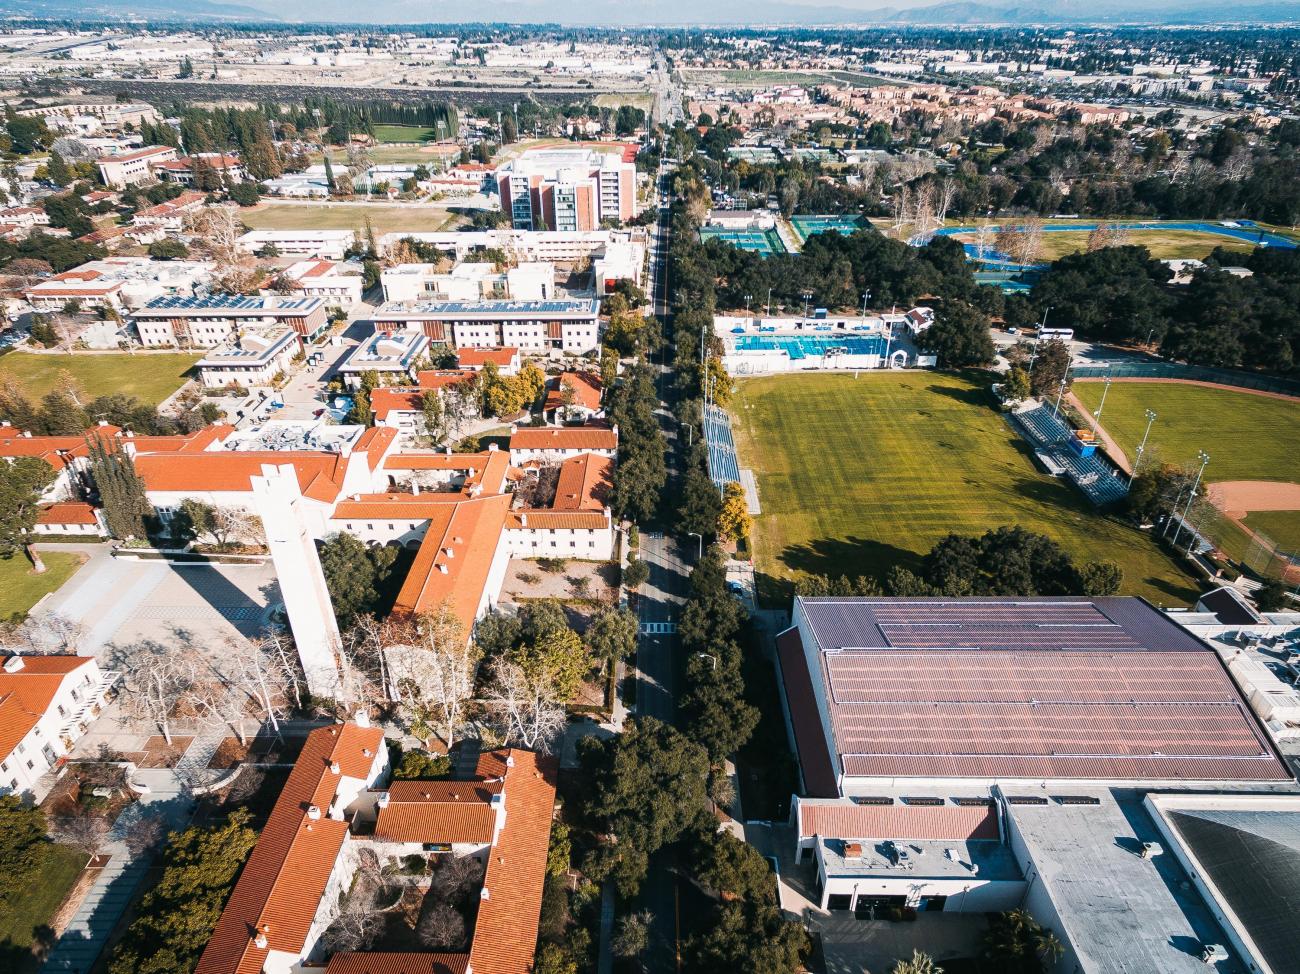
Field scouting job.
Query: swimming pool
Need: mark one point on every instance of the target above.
(801, 347)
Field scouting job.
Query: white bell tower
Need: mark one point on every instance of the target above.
(278, 501)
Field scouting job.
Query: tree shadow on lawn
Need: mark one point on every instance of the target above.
(850, 556)
(971, 395)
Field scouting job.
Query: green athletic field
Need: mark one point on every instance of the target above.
(149, 376)
(857, 475)
(1248, 437)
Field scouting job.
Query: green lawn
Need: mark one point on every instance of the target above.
(20, 588)
(326, 216)
(1282, 526)
(1248, 437)
(856, 475)
(21, 923)
(149, 376)
(1163, 244)
(404, 133)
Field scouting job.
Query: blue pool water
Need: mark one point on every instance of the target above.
(801, 347)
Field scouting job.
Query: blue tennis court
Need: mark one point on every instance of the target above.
(806, 226)
(801, 347)
(764, 242)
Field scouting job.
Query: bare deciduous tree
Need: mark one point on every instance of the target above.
(85, 833)
(442, 928)
(42, 635)
(433, 670)
(456, 876)
(144, 834)
(216, 231)
(1105, 235)
(527, 705)
(156, 679)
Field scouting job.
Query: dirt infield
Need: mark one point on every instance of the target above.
(1237, 498)
(1194, 382)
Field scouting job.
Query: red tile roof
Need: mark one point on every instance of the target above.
(380, 962)
(471, 530)
(501, 357)
(585, 483)
(320, 475)
(586, 389)
(556, 520)
(26, 694)
(438, 811)
(284, 880)
(589, 437)
(401, 507)
(441, 378)
(844, 820)
(67, 512)
(505, 934)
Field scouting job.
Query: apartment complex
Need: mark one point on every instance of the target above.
(207, 322)
(571, 326)
(133, 168)
(568, 189)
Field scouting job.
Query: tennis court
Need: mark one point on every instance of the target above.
(806, 226)
(764, 242)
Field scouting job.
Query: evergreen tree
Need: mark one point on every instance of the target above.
(121, 491)
(329, 173)
(58, 169)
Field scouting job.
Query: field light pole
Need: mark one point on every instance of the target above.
(769, 302)
(1137, 462)
(807, 296)
(1205, 459)
(1102, 405)
(748, 297)
(865, 297)
(1060, 392)
(1173, 512)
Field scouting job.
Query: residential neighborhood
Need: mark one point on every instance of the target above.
(593, 497)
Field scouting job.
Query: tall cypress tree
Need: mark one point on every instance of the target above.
(121, 491)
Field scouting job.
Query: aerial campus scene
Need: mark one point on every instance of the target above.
(746, 489)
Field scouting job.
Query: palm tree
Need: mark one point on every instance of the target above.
(919, 964)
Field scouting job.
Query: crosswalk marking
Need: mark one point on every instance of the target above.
(658, 628)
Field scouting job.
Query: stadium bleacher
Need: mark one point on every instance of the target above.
(1050, 435)
(723, 467)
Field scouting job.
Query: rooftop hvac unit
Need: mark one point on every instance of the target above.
(1213, 953)
(1150, 850)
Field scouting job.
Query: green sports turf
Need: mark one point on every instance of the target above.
(149, 376)
(857, 475)
(1248, 437)
(1283, 527)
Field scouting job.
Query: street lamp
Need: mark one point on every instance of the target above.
(1205, 459)
(866, 295)
(696, 534)
(709, 656)
(1137, 461)
(1102, 405)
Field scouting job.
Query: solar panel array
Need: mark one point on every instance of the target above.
(1092, 475)
(1103, 689)
(723, 466)
(585, 306)
(231, 302)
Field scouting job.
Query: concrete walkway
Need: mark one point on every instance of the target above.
(83, 940)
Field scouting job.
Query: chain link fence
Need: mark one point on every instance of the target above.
(1192, 373)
